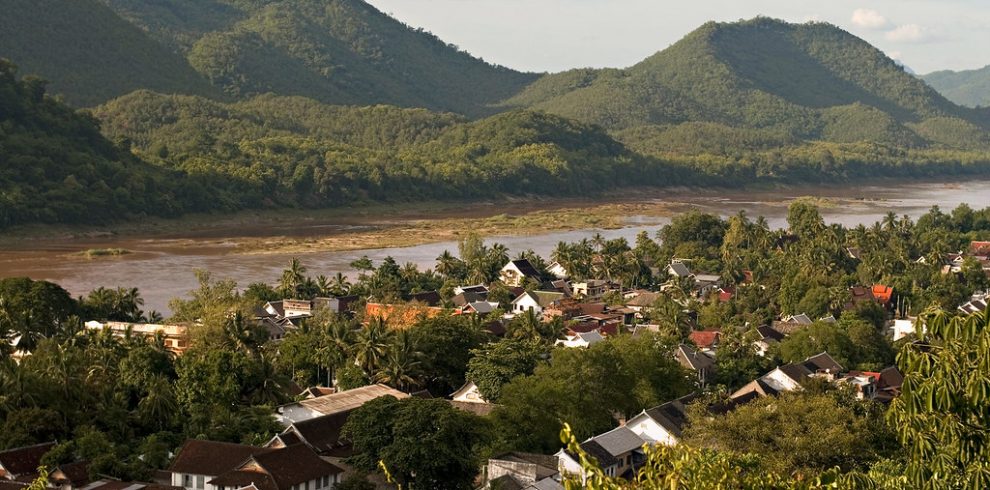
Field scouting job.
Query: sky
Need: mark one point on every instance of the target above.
(556, 35)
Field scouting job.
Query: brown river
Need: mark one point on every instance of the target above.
(162, 265)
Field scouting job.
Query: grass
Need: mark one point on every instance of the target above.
(94, 253)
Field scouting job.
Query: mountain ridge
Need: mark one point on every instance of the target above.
(965, 87)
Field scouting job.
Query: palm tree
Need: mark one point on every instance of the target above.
(372, 344)
(323, 286)
(335, 347)
(271, 390)
(447, 264)
(292, 277)
(159, 405)
(340, 285)
(400, 364)
(154, 316)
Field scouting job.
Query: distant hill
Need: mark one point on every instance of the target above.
(761, 80)
(334, 51)
(90, 54)
(56, 167)
(968, 87)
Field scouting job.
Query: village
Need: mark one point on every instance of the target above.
(311, 450)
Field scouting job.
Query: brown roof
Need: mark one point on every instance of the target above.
(349, 400)
(322, 434)
(76, 474)
(280, 469)
(24, 460)
(12, 485)
(212, 458)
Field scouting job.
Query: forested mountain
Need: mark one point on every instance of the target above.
(89, 54)
(55, 166)
(761, 83)
(336, 51)
(967, 87)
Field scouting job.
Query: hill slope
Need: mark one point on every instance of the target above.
(89, 53)
(968, 87)
(56, 167)
(788, 82)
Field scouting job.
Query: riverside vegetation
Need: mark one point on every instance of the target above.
(125, 403)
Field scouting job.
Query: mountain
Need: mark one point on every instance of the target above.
(56, 167)
(334, 51)
(89, 53)
(968, 87)
(761, 80)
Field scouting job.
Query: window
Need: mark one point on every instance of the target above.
(307, 485)
(187, 481)
(200, 482)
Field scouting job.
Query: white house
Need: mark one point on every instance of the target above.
(592, 289)
(558, 270)
(586, 339)
(616, 451)
(662, 424)
(515, 273)
(468, 393)
(534, 301)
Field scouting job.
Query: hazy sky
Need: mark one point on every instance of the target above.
(555, 35)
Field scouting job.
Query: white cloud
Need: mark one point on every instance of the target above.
(906, 33)
(868, 19)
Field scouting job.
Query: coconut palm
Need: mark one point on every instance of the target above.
(340, 286)
(323, 285)
(448, 265)
(401, 364)
(372, 344)
(292, 277)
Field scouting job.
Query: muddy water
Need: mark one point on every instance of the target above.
(162, 266)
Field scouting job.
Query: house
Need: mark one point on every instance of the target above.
(678, 269)
(292, 468)
(663, 424)
(557, 270)
(534, 301)
(791, 324)
(645, 299)
(468, 393)
(864, 383)
(321, 434)
(176, 336)
(467, 297)
(979, 249)
(592, 289)
(199, 462)
(524, 471)
(344, 401)
(702, 364)
(618, 452)
(584, 340)
(705, 284)
(902, 328)
(767, 338)
(790, 377)
(69, 476)
(290, 308)
(516, 272)
(22, 463)
(479, 289)
(477, 308)
(706, 340)
(340, 305)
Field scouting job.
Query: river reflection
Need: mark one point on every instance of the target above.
(163, 268)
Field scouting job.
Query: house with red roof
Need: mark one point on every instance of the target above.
(706, 340)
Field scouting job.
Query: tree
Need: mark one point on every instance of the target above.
(797, 433)
(372, 344)
(493, 365)
(422, 443)
(941, 415)
(293, 278)
(446, 343)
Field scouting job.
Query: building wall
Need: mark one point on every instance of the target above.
(646, 427)
(524, 472)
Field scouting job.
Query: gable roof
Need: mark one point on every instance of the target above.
(542, 298)
(524, 267)
(429, 298)
(644, 299)
(74, 474)
(595, 450)
(322, 434)
(796, 372)
(768, 334)
(211, 458)
(279, 469)
(882, 293)
(467, 297)
(24, 460)
(672, 416)
(619, 441)
(692, 359)
(679, 269)
(823, 362)
(752, 390)
(349, 400)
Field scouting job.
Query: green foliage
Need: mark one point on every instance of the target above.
(423, 443)
(941, 415)
(493, 365)
(798, 433)
(967, 87)
(445, 345)
(587, 387)
(56, 39)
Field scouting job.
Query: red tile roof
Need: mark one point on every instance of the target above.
(705, 339)
(882, 293)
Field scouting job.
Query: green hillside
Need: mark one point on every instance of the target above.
(336, 51)
(812, 82)
(968, 87)
(90, 54)
(56, 167)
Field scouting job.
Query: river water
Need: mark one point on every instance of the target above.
(162, 267)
